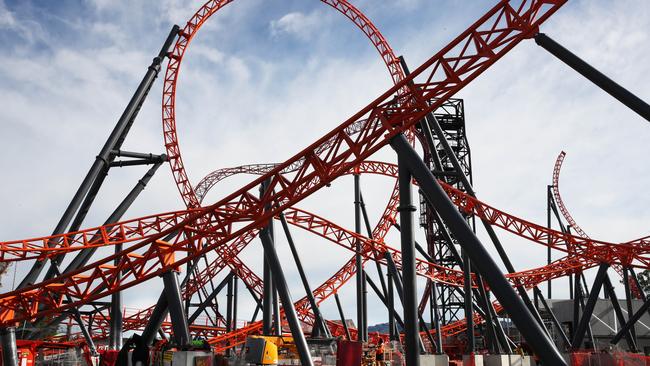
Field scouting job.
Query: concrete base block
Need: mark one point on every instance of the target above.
(434, 360)
(473, 360)
(517, 360)
(496, 360)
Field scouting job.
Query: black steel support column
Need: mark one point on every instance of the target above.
(608, 85)
(176, 309)
(638, 285)
(229, 306)
(342, 316)
(409, 300)
(267, 299)
(628, 300)
(392, 330)
(115, 334)
(469, 310)
(435, 318)
(277, 323)
(85, 331)
(283, 291)
(397, 282)
(609, 288)
(156, 319)
(493, 341)
(85, 193)
(8, 344)
(366, 222)
(576, 303)
(358, 260)
(365, 307)
(257, 310)
(235, 296)
(84, 255)
(319, 319)
(556, 323)
(520, 314)
(384, 300)
(210, 298)
(589, 307)
(630, 323)
(549, 198)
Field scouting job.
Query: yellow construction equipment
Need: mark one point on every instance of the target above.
(263, 350)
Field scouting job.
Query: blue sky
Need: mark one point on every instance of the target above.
(265, 78)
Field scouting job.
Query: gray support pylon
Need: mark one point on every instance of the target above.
(161, 309)
(84, 255)
(576, 303)
(606, 84)
(9, 349)
(392, 330)
(589, 307)
(556, 323)
(257, 310)
(358, 259)
(630, 323)
(229, 306)
(590, 334)
(628, 301)
(210, 299)
(549, 198)
(156, 319)
(319, 319)
(365, 307)
(86, 332)
(235, 301)
(493, 341)
(342, 316)
(115, 334)
(435, 317)
(277, 325)
(267, 299)
(638, 285)
(283, 291)
(229, 295)
(520, 314)
(176, 309)
(409, 281)
(366, 222)
(381, 297)
(100, 166)
(469, 309)
(609, 289)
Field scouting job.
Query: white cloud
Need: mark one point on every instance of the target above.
(297, 24)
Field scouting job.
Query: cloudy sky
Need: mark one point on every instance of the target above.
(265, 78)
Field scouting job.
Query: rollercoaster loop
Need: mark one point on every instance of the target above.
(236, 218)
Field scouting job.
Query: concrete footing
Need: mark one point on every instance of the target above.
(507, 360)
(434, 360)
(518, 360)
(473, 360)
(496, 360)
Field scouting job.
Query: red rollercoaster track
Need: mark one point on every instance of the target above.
(227, 226)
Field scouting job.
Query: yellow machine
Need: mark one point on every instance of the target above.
(263, 350)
